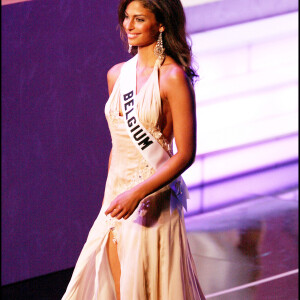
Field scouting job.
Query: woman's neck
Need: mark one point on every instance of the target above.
(146, 56)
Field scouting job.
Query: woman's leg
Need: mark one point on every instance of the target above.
(114, 262)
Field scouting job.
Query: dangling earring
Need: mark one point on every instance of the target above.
(129, 48)
(159, 49)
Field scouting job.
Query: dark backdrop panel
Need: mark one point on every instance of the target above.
(55, 139)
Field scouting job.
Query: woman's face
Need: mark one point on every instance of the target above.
(140, 25)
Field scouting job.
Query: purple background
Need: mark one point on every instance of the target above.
(56, 143)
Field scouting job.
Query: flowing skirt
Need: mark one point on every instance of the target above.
(155, 259)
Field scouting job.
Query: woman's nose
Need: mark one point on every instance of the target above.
(128, 24)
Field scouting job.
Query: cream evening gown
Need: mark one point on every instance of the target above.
(156, 262)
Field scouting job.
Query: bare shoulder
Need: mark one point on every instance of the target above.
(112, 75)
(172, 77)
(114, 72)
(171, 70)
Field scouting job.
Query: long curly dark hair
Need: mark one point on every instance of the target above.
(170, 13)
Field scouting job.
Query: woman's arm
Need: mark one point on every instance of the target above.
(112, 76)
(179, 93)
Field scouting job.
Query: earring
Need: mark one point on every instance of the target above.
(159, 49)
(129, 48)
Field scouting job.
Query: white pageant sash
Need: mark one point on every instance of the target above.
(147, 145)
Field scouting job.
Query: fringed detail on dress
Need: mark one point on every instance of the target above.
(113, 225)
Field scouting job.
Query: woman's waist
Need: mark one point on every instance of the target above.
(129, 172)
(122, 140)
(124, 172)
(125, 154)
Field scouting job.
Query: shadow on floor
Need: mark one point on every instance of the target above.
(47, 287)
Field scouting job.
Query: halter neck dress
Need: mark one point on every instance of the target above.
(156, 262)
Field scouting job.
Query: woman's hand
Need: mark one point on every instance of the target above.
(124, 205)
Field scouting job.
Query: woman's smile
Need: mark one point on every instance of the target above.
(132, 35)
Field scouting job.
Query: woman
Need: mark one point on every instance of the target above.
(137, 247)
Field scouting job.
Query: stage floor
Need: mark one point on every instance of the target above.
(246, 251)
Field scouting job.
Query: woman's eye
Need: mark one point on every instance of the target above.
(140, 20)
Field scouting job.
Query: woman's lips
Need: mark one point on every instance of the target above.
(132, 35)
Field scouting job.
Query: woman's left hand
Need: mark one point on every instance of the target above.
(124, 205)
